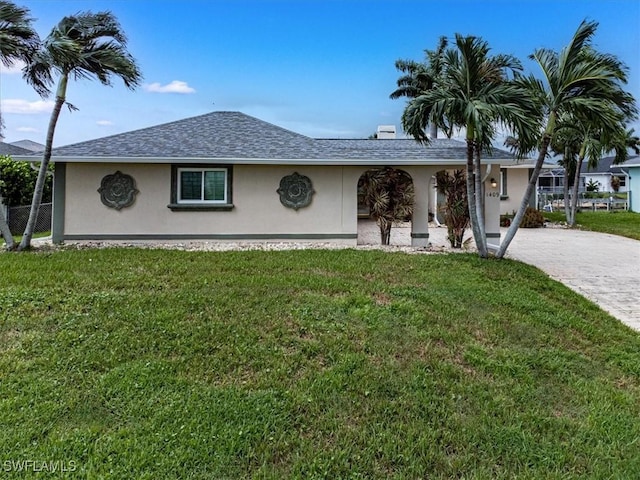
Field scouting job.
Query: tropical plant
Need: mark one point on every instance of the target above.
(615, 183)
(578, 82)
(474, 92)
(420, 77)
(18, 42)
(456, 210)
(532, 218)
(592, 186)
(17, 180)
(389, 194)
(83, 46)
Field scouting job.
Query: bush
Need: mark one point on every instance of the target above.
(532, 218)
(17, 181)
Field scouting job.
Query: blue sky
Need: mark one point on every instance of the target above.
(320, 68)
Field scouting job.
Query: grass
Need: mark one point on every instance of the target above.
(18, 238)
(625, 224)
(148, 364)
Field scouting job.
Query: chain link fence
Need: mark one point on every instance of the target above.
(17, 218)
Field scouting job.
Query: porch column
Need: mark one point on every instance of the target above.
(422, 192)
(492, 207)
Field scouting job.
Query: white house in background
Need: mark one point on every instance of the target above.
(603, 174)
(228, 176)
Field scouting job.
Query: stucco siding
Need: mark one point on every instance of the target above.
(257, 208)
(634, 188)
(517, 181)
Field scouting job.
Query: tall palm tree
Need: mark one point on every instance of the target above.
(578, 81)
(18, 42)
(419, 77)
(83, 46)
(474, 92)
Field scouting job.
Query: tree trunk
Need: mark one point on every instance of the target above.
(44, 166)
(433, 131)
(479, 194)
(5, 231)
(515, 223)
(471, 200)
(574, 195)
(567, 199)
(385, 234)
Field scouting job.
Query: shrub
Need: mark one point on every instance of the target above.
(17, 180)
(532, 218)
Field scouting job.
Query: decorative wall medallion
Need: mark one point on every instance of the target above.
(295, 191)
(118, 190)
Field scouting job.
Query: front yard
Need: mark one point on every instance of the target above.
(131, 363)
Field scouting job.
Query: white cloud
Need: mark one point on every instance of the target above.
(104, 123)
(27, 129)
(13, 69)
(177, 86)
(24, 107)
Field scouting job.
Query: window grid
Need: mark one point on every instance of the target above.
(202, 185)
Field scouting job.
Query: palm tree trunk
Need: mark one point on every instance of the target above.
(574, 195)
(471, 199)
(5, 231)
(44, 166)
(515, 223)
(567, 199)
(479, 194)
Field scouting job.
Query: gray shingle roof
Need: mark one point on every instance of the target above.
(8, 149)
(606, 165)
(236, 136)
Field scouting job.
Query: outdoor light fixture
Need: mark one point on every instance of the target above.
(494, 184)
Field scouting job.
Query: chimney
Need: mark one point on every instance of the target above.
(386, 132)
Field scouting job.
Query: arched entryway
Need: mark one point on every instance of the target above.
(386, 199)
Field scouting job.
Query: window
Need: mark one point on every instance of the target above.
(503, 183)
(196, 187)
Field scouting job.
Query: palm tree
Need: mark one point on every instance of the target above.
(87, 45)
(474, 92)
(389, 194)
(18, 42)
(584, 139)
(419, 77)
(578, 82)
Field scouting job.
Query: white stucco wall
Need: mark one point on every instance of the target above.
(257, 208)
(517, 180)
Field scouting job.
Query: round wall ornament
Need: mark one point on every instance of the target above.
(295, 191)
(118, 190)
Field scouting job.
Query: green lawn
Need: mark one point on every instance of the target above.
(149, 364)
(625, 224)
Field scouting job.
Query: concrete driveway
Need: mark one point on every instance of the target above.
(603, 268)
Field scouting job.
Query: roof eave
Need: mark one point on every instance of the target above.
(262, 161)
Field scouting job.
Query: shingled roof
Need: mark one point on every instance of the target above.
(235, 137)
(8, 149)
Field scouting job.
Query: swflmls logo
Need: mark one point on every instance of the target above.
(52, 466)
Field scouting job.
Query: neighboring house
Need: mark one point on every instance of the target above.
(603, 174)
(632, 169)
(9, 149)
(229, 176)
(29, 145)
